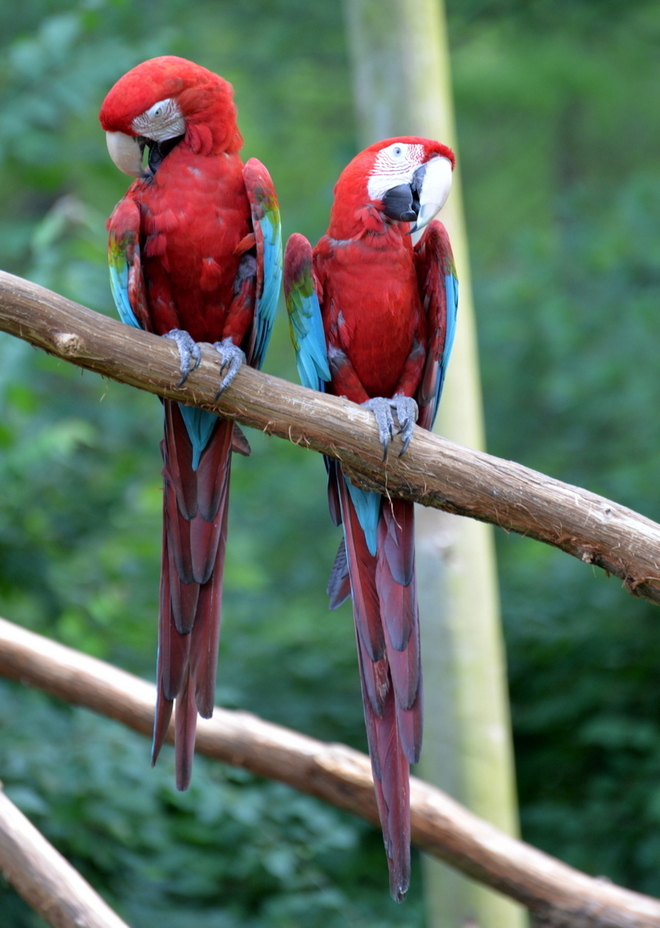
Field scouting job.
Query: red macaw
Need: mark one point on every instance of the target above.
(195, 255)
(372, 318)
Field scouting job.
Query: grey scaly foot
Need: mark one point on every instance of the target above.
(190, 353)
(380, 407)
(231, 359)
(406, 411)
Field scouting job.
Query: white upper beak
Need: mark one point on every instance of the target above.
(436, 177)
(126, 152)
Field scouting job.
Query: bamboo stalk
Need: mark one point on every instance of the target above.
(402, 86)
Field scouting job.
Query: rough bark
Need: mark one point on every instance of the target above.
(433, 471)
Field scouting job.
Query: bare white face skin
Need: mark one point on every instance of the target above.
(397, 164)
(394, 165)
(160, 122)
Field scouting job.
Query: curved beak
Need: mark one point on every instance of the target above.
(431, 185)
(126, 152)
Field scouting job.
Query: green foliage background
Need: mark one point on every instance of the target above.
(558, 130)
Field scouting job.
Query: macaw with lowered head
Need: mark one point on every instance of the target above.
(195, 256)
(372, 318)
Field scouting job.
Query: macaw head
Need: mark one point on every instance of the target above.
(160, 103)
(407, 179)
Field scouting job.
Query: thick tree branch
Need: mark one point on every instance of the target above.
(47, 882)
(433, 471)
(558, 895)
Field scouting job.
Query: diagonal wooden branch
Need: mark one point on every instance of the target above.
(47, 882)
(558, 895)
(434, 472)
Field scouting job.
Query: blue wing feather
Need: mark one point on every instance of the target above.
(119, 288)
(451, 293)
(268, 238)
(304, 310)
(309, 342)
(267, 304)
(126, 282)
(439, 292)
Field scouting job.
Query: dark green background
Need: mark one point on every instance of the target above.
(559, 139)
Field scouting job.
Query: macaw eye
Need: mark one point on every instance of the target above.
(159, 109)
(163, 120)
(397, 151)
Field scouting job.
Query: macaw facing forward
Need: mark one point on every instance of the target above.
(195, 255)
(372, 319)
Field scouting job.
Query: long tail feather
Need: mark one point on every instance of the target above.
(395, 579)
(185, 724)
(206, 633)
(195, 506)
(362, 571)
(339, 583)
(386, 619)
(391, 773)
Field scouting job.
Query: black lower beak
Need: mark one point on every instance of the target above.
(401, 203)
(159, 150)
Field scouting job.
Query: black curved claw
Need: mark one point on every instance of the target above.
(231, 359)
(406, 410)
(190, 353)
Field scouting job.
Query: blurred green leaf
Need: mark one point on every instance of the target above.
(558, 127)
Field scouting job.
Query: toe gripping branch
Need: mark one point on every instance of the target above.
(384, 409)
(190, 356)
(231, 359)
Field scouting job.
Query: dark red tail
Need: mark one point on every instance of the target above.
(195, 506)
(387, 631)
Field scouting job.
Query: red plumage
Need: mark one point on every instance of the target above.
(194, 213)
(186, 233)
(384, 315)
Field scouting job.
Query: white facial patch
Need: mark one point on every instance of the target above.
(394, 165)
(161, 121)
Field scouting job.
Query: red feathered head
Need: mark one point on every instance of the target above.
(403, 179)
(169, 98)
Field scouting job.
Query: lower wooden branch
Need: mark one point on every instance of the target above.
(44, 879)
(556, 894)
